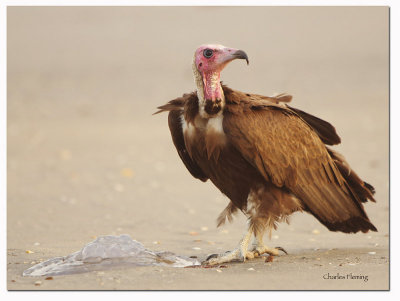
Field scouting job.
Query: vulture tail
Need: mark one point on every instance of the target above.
(363, 190)
(338, 203)
(352, 225)
(340, 209)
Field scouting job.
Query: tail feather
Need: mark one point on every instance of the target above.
(352, 225)
(361, 189)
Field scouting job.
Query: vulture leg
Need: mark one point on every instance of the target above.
(240, 253)
(258, 245)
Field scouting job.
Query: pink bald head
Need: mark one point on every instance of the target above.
(209, 61)
(213, 58)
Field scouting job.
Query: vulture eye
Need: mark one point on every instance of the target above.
(208, 53)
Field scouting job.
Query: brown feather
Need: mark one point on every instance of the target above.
(324, 129)
(226, 214)
(363, 190)
(271, 138)
(271, 162)
(174, 121)
(175, 104)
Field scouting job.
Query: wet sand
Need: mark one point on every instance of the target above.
(86, 157)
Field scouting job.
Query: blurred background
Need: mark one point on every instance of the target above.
(87, 158)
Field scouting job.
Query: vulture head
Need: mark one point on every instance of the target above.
(208, 62)
(213, 58)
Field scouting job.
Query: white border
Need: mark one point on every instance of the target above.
(395, 98)
(198, 2)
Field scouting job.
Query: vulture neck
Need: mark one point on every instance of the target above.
(209, 92)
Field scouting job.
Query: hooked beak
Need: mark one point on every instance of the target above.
(230, 54)
(240, 54)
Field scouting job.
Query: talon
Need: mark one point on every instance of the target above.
(281, 249)
(211, 256)
(249, 255)
(207, 264)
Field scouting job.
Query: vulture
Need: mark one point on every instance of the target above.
(268, 158)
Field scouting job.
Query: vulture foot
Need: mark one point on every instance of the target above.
(230, 256)
(241, 252)
(263, 249)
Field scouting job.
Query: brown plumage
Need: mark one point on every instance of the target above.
(268, 158)
(279, 147)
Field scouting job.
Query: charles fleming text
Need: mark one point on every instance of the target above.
(349, 276)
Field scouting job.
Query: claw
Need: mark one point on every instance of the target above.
(281, 249)
(230, 256)
(211, 256)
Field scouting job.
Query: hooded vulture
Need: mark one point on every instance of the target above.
(268, 158)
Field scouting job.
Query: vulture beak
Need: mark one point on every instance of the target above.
(240, 54)
(230, 54)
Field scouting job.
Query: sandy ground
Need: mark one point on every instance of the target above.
(86, 158)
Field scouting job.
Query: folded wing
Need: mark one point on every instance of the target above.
(289, 152)
(176, 110)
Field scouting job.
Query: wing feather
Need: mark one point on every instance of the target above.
(287, 151)
(175, 126)
(324, 129)
(176, 108)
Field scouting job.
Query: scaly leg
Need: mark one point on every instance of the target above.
(240, 253)
(260, 248)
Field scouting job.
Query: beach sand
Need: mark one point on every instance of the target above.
(86, 157)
